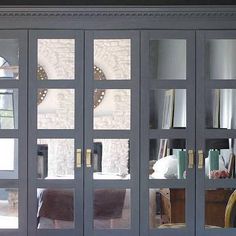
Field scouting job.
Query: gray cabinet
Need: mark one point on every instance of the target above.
(117, 121)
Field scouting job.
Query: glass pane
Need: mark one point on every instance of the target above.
(8, 158)
(55, 158)
(167, 208)
(56, 110)
(8, 208)
(113, 57)
(57, 57)
(55, 208)
(167, 159)
(167, 108)
(8, 108)
(9, 59)
(168, 59)
(111, 159)
(220, 208)
(219, 159)
(112, 209)
(112, 109)
(220, 108)
(221, 56)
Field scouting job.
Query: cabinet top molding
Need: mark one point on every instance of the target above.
(126, 11)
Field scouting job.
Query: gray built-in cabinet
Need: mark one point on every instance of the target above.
(118, 121)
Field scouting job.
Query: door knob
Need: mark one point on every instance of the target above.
(88, 157)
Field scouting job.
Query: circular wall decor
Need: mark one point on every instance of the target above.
(98, 93)
(41, 75)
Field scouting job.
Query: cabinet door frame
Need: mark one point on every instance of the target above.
(76, 133)
(132, 134)
(147, 133)
(20, 133)
(203, 85)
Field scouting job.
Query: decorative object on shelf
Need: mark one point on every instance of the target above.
(168, 108)
(99, 94)
(162, 148)
(181, 157)
(231, 166)
(216, 108)
(41, 75)
(215, 145)
(219, 174)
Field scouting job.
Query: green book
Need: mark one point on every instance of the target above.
(181, 163)
(213, 160)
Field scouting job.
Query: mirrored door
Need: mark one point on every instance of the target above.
(216, 91)
(168, 133)
(112, 133)
(13, 133)
(56, 133)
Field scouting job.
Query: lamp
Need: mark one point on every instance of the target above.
(214, 145)
(179, 144)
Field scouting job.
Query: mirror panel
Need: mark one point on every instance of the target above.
(166, 208)
(57, 58)
(57, 109)
(112, 208)
(167, 108)
(111, 159)
(56, 208)
(167, 59)
(113, 58)
(9, 208)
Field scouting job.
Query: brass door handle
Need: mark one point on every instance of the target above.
(78, 158)
(88, 157)
(200, 159)
(190, 159)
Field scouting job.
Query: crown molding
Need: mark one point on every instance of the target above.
(75, 12)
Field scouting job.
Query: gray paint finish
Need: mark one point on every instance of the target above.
(170, 22)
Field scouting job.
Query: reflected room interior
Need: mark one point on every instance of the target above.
(111, 111)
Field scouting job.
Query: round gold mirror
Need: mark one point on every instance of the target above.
(98, 93)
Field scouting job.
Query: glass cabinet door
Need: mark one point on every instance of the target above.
(13, 133)
(167, 131)
(216, 96)
(111, 133)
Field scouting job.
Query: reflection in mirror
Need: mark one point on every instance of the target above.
(55, 158)
(114, 56)
(220, 208)
(114, 111)
(167, 108)
(221, 56)
(8, 108)
(57, 56)
(9, 59)
(220, 158)
(112, 208)
(168, 59)
(111, 159)
(8, 208)
(56, 111)
(167, 208)
(220, 108)
(167, 159)
(55, 208)
(8, 158)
